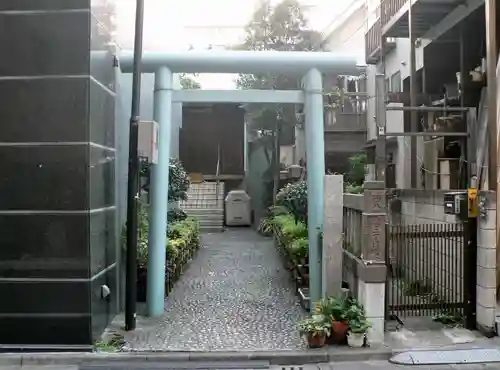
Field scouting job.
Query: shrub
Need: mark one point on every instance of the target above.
(180, 234)
(176, 215)
(178, 181)
(294, 198)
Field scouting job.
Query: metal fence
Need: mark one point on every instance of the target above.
(425, 265)
(353, 230)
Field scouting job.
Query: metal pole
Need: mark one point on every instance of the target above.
(428, 109)
(491, 64)
(493, 153)
(413, 98)
(418, 134)
(276, 156)
(315, 155)
(380, 113)
(133, 175)
(380, 146)
(158, 210)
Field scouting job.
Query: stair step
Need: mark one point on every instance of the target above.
(211, 222)
(211, 229)
(203, 211)
(207, 218)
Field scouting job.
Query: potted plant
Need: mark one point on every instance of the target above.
(335, 309)
(315, 329)
(358, 325)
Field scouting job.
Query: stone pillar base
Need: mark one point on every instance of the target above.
(371, 294)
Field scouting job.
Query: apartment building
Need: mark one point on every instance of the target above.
(433, 54)
(447, 70)
(345, 124)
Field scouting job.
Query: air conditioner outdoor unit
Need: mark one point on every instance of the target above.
(148, 141)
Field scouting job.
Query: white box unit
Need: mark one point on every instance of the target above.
(148, 140)
(238, 211)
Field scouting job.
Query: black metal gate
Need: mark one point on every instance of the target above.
(428, 270)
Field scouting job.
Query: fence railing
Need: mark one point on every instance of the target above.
(388, 8)
(353, 223)
(425, 269)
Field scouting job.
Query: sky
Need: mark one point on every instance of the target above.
(180, 24)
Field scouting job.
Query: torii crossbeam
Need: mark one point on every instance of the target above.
(310, 65)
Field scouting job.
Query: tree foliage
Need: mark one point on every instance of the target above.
(355, 176)
(281, 28)
(104, 29)
(188, 82)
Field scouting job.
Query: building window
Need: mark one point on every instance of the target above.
(387, 85)
(396, 82)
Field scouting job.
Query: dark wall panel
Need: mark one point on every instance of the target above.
(203, 130)
(57, 144)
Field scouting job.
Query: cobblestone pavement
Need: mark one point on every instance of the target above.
(235, 295)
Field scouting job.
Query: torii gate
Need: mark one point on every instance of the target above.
(310, 65)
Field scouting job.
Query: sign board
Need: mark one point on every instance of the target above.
(472, 202)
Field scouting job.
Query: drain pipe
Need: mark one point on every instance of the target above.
(133, 176)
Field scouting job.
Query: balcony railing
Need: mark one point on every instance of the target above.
(372, 42)
(388, 8)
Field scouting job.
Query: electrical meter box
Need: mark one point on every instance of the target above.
(456, 203)
(238, 208)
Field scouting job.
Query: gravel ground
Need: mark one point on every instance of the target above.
(235, 295)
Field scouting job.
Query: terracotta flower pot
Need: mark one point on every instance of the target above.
(316, 341)
(339, 332)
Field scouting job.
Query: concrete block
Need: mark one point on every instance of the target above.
(485, 316)
(375, 299)
(375, 334)
(486, 297)
(486, 257)
(486, 277)
(486, 238)
(488, 222)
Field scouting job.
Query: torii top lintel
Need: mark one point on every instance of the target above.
(292, 62)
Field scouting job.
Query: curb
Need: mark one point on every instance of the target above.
(285, 357)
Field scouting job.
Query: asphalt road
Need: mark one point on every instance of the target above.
(364, 365)
(384, 365)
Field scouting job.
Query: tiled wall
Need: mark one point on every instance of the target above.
(57, 140)
(422, 206)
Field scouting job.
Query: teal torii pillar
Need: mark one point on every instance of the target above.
(310, 65)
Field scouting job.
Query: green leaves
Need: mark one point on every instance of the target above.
(282, 28)
(294, 198)
(178, 181)
(315, 325)
(188, 82)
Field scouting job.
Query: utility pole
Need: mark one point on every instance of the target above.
(133, 176)
(493, 152)
(413, 98)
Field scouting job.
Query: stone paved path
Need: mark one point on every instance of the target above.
(235, 295)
